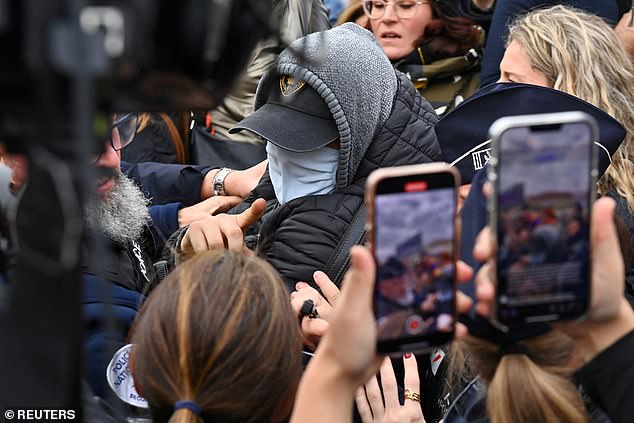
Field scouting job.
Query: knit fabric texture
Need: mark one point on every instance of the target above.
(350, 71)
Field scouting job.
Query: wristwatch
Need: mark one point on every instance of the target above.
(218, 182)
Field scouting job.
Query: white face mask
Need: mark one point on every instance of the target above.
(297, 175)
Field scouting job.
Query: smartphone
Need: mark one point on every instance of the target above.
(412, 231)
(543, 172)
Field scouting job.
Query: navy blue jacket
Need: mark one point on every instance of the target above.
(169, 188)
(117, 277)
(167, 183)
(506, 10)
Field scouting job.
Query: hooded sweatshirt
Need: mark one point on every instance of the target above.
(348, 69)
(382, 121)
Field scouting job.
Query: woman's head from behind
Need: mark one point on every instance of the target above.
(218, 331)
(578, 53)
(400, 26)
(528, 381)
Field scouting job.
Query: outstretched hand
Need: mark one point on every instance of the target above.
(208, 207)
(221, 231)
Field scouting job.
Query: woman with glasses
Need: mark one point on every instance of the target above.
(440, 54)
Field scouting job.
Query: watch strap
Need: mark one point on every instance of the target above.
(218, 182)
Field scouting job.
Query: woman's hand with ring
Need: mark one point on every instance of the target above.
(373, 409)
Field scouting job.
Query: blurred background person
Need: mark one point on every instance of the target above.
(296, 19)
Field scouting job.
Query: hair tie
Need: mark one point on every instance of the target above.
(514, 348)
(190, 405)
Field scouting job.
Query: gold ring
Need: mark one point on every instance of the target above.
(411, 395)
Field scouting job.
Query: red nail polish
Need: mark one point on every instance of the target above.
(408, 355)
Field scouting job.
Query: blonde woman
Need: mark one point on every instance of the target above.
(578, 53)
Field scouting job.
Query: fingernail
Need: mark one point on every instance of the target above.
(408, 355)
(293, 294)
(318, 274)
(300, 285)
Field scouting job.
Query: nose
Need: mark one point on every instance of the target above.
(389, 13)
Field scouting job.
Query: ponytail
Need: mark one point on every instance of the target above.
(186, 412)
(522, 391)
(529, 381)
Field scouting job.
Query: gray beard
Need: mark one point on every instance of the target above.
(121, 214)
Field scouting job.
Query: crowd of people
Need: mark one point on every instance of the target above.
(246, 295)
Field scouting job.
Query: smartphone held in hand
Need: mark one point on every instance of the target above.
(412, 222)
(543, 172)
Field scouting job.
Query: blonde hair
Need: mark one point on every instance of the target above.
(580, 54)
(144, 121)
(531, 387)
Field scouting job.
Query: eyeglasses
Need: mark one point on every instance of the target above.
(404, 9)
(116, 128)
(124, 126)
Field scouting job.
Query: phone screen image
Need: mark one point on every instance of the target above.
(545, 186)
(414, 243)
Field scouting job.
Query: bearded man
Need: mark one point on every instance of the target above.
(118, 256)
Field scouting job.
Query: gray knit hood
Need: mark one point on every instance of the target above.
(350, 71)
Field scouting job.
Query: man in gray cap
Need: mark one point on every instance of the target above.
(333, 110)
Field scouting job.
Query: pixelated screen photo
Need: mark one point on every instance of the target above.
(414, 241)
(543, 205)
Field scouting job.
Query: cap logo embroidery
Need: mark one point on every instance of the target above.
(480, 158)
(290, 85)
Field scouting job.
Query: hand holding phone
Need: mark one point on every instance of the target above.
(412, 221)
(543, 173)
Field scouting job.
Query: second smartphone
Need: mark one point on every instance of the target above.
(412, 222)
(543, 172)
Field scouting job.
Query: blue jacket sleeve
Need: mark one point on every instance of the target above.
(164, 222)
(167, 183)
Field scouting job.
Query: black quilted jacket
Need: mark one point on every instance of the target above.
(299, 237)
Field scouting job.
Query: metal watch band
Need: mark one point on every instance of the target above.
(218, 182)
